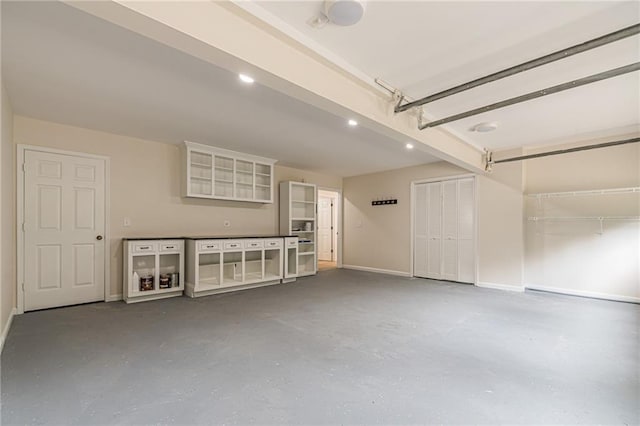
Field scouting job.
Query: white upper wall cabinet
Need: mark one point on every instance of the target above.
(226, 175)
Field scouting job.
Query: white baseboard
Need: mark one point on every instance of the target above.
(7, 326)
(113, 298)
(505, 287)
(583, 293)
(377, 271)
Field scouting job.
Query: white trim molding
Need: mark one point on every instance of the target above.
(377, 270)
(113, 297)
(583, 293)
(5, 331)
(504, 287)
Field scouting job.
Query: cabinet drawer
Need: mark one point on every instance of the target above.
(171, 246)
(292, 242)
(144, 247)
(273, 243)
(254, 244)
(209, 245)
(232, 245)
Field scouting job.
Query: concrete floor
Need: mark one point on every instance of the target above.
(342, 347)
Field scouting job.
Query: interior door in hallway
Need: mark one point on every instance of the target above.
(64, 224)
(325, 229)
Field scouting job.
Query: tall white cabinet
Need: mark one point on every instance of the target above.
(444, 230)
(298, 209)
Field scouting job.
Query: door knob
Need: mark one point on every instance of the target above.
(99, 237)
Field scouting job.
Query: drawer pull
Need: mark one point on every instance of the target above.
(144, 248)
(169, 247)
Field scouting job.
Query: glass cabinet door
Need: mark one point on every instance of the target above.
(263, 182)
(223, 177)
(200, 165)
(244, 179)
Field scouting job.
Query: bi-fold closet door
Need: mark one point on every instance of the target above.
(444, 230)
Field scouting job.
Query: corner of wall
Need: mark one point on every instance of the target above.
(7, 215)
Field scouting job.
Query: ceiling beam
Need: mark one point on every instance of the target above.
(225, 35)
(537, 94)
(525, 66)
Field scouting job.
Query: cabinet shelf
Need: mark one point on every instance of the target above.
(203, 165)
(204, 179)
(297, 212)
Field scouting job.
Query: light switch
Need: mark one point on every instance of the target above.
(127, 221)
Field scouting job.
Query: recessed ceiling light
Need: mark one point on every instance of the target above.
(245, 78)
(484, 127)
(352, 122)
(409, 146)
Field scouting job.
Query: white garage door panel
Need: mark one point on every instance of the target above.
(64, 201)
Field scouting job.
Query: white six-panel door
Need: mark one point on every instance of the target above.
(444, 230)
(64, 224)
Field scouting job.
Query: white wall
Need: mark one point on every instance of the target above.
(573, 256)
(145, 186)
(7, 215)
(500, 226)
(380, 237)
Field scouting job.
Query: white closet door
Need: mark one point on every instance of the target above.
(420, 241)
(466, 231)
(450, 230)
(434, 230)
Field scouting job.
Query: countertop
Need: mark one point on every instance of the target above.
(208, 237)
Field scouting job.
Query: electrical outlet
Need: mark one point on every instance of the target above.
(127, 221)
(227, 224)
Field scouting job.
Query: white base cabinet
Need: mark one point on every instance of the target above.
(153, 269)
(221, 265)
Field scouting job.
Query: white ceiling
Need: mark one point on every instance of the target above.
(422, 47)
(63, 65)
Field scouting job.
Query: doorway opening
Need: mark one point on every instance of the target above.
(328, 229)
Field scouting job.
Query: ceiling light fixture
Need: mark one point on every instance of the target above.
(352, 122)
(484, 127)
(245, 78)
(409, 146)
(344, 12)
